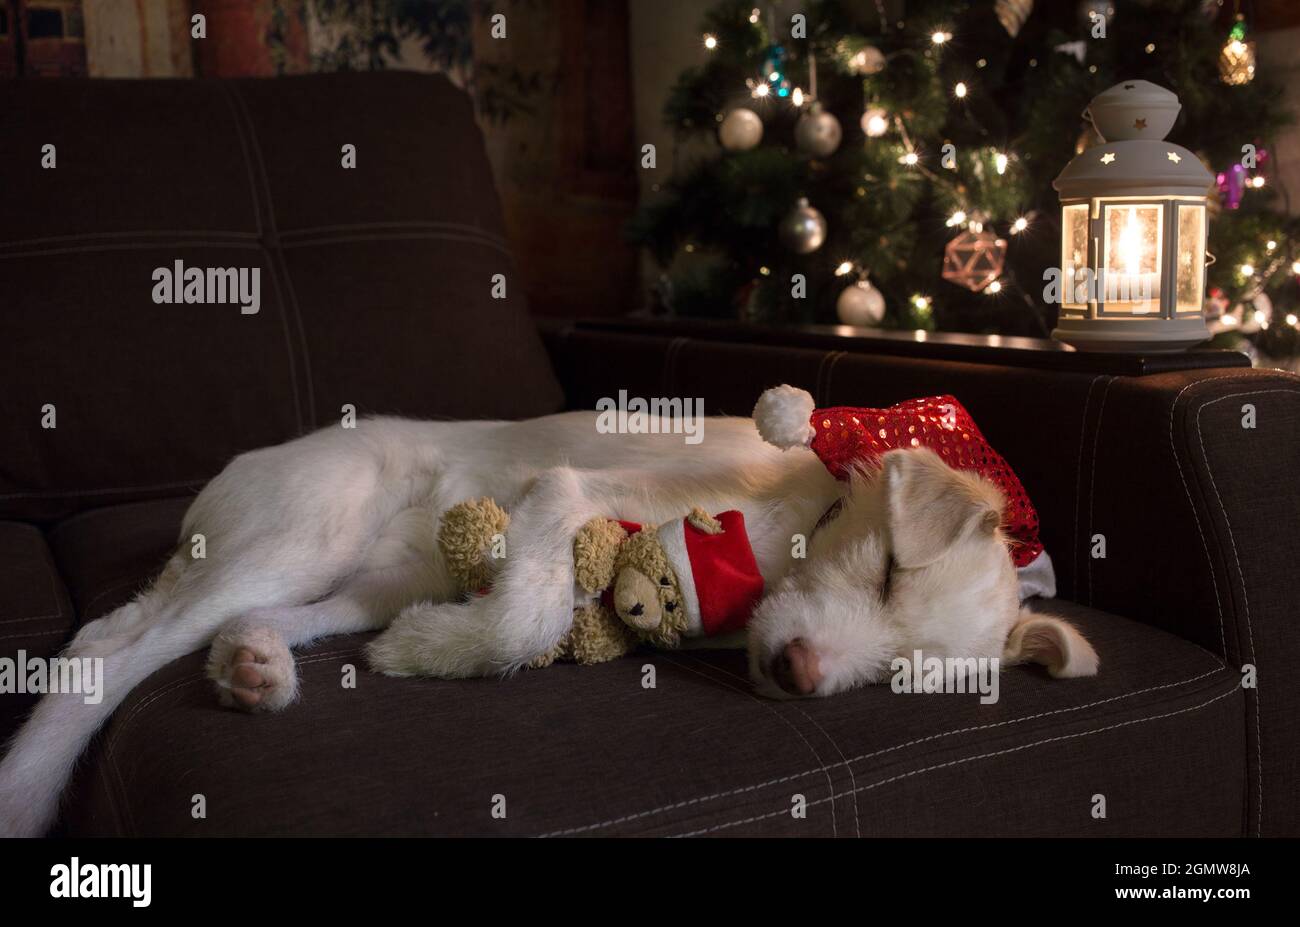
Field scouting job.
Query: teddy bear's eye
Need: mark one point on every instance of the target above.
(671, 606)
(665, 581)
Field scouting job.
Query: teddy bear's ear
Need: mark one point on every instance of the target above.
(703, 521)
(595, 550)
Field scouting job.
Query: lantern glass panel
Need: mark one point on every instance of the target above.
(1074, 255)
(1191, 257)
(1131, 270)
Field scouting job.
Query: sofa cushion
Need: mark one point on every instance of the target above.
(589, 750)
(35, 614)
(106, 555)
(376, 283)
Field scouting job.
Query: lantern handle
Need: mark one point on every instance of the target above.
(1209, 259)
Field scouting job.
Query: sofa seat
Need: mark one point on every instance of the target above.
(588, 750)
(108, 554)
(36, 615)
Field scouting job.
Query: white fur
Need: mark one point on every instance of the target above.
(335, 533)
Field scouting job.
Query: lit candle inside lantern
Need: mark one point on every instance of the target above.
(1132, 276)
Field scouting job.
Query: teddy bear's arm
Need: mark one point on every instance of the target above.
(594, 551)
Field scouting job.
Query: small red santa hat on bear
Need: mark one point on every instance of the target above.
(845, 438)
(715, 568)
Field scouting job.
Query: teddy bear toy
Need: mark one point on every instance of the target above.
(688, 577)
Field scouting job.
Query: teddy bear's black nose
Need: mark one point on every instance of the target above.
(637, 609)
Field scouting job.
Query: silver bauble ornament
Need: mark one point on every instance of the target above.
(817, 132)
(860, 304)
(741, 130)
(866, 61)
(803, 230)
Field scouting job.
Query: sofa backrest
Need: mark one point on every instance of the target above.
(375, 281)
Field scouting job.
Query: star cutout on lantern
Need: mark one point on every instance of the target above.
(1108, 157)
(1173, 156)
(1139, 124)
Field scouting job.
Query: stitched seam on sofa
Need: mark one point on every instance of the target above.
(9, 637)
(51, 573)
(228, 96)
(853, 779)
(1092, 479)
(668, 373)
(874, 753)
(826, 373)
(145, 236)
(970, 759)
(278, 266)
(92, 249)
(1245, 599)
(400, 236)
(830, 783)
(107, 591)
(1075, 539)
(64, 493)
(396, 224)
(110, 746)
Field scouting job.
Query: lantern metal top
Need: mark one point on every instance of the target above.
(1134, 168)
(1134, 117)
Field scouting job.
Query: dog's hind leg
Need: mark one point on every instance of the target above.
(250, 660)
(172, 618)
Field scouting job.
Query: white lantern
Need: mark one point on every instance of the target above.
(1133, 229)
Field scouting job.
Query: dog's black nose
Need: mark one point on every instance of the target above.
(637, 609)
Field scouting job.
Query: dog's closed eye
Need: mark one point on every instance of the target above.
(888, 580)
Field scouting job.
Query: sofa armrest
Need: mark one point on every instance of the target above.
(1192, 488)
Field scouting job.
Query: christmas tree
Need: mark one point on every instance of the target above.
(891, 162)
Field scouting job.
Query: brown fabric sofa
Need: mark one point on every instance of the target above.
(376, 295)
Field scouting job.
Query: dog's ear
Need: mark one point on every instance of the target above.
(1051, 641)
(932, 506)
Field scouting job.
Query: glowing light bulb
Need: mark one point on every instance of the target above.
(1000, 162)
(1291, 319)
(939, 38)
(956, 218)
(875, 122)
(754, 15)
(845, 268)
(1270, 244)
(959, 91)
(910, 158)
(797, 97)
(710, 42)
(1019, 225)
(1247, 270)
(761, 90)
(1260, 317)
(993, 288)
(1295, 267)
(1257, 182)
(921, 302)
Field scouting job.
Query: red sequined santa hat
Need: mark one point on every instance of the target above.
(845, 437)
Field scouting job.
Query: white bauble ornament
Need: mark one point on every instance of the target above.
(867, 61)
(875, 122)
(803, 230)
(741, 130)
(817, 132)
(860, 304)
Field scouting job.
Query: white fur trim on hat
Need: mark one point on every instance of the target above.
(782, 415)
(672, 537)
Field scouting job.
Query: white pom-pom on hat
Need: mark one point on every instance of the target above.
(782, 415)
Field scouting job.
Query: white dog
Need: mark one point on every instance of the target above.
(336, 532)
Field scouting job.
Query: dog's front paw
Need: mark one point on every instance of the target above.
(253, 670)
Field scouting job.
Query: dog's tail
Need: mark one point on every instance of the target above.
(133, 642)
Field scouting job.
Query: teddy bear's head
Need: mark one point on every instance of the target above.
(647, 595)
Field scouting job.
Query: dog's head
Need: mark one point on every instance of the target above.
(914, 560)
